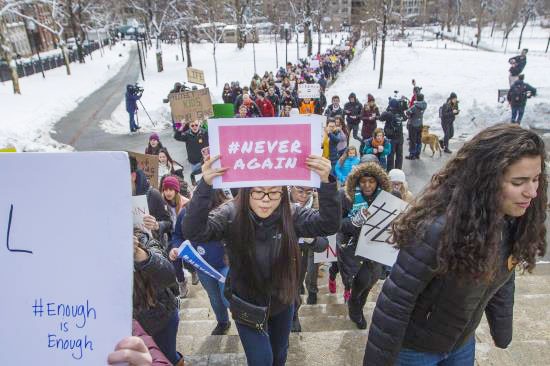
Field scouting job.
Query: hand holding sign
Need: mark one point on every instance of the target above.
(319, 165)
(209, 173)
(132, 351)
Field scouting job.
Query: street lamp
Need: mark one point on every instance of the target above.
(134, 30)
(286, 26)
(31, 28)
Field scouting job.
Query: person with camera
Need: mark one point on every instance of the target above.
(517, 96)
(133, 94)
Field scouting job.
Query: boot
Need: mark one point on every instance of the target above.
(447, 151)
(194, 278)
(184, 290)
(221, 328)
(312, 298)
(181, 362)
(355, 313)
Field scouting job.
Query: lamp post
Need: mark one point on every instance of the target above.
(286, 25)
(31, 28)
(136, 34)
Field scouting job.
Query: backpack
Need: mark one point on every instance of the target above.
(517, 94)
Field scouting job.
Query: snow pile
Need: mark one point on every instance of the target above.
(26, 119)
(233, 65)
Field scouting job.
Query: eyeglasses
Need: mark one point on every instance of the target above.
(194, 125)
(273, 196)
(303, 192)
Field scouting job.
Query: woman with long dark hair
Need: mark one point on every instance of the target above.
(460, 241)
(260, 229)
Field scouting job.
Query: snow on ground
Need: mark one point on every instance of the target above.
(26, 119)
(233, 65)
(474, 75)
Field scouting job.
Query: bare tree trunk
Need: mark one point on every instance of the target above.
(449, 14)
(493, 26)
(215, 61)
(5, 53)
(319, 36)
(384, 31)
(307, 28)
(479, 20)
(547, 44)
(187, 48)
(76, 34)
(65, 56)
(525, 21)
(240, 33)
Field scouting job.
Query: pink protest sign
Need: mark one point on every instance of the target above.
(266, 151)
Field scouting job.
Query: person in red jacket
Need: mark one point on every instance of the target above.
(265, 106)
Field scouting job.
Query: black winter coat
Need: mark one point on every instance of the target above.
(330, 112)
(428, 313)
(194, 143)
(201, 226)
(447, 114)
(161, 272)
(353, 111)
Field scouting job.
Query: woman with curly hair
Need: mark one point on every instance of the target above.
(479, 218)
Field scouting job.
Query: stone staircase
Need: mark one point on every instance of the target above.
(328, 337)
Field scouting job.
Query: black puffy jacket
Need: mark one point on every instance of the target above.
(428, 313)
(201, 226)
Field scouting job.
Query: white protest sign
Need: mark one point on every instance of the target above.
(66, 268)
(311, 91)
(374, 238)
(314, 64)
(140, 209)
(268, 151)
(328, 255)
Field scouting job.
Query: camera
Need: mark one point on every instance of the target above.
(135, 89)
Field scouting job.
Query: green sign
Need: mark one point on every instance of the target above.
(223, 110)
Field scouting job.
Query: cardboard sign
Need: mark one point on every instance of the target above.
(267, 151)
(66, 260)
(226, 110)
(311, 91)
(150, 166)
(191, 256)
(328, 255)
(195, 76)
(502, 95)
(140, 208)
(8, 149)
(191, 105)
(375, 234)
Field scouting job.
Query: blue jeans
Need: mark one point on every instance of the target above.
(166, 338)
(271, 348)
(463, 356)
(133, 125)
(517, 113)
(195, 170)
(214, 289)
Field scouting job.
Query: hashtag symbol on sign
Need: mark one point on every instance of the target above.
(38, 308)
(234, 147)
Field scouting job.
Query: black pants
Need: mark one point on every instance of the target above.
(449, 131)
(395, 158)
(354, 127)
(364, 280)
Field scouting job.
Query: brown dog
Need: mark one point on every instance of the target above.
(430, 139)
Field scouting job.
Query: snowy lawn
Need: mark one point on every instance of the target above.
(26, 119)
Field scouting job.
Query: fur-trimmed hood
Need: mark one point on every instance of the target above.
(372, 169)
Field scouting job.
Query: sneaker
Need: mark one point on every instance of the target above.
(332, 286)
(441, 144)
(356, 316)
(184, 290)
(410, 157)
(347, 295)
(447, 151)
(194, 278)
(311, 298)
(360, 323)
(296, 326)
(221, 328)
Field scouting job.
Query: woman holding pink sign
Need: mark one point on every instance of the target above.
(260, 228)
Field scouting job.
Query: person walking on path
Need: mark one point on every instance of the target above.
(416, 117)
(353, 111)
(260, 229)
(481, 216)
(196, 139)
(518, 94)
(448, 113)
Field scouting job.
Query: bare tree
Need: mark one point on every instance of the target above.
(528, 11)
(385, 11)
(211, 11)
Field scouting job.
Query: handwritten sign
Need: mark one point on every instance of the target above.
(191, 256)
(150, 166)
(265, 151)
(191, 105)
(375, 234)
(66, 285)
(311, 91)
(328, 255)
(502, 95)
(140, 208)
(195, 76)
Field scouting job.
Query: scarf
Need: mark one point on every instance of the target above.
(359, 201)
(375, 143)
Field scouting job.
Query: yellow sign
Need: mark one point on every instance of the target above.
(8, 149)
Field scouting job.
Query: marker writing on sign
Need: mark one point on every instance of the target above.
(8, 236)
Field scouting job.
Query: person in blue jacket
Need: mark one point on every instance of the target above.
(348, 160)
(379, 146)
(214, 254)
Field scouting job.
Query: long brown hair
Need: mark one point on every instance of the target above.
(467, 192)
(285, 266)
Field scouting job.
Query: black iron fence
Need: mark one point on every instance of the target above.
(26, 68)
